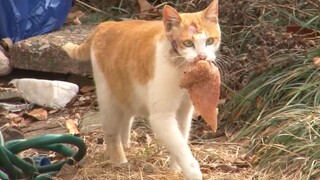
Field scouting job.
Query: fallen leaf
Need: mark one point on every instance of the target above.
(148, 139)
(87, 89)
(53, 111)
(242, 164)
(259, 100)
(38, 114)
(6, 43)
(316, 61)
(17, 119)
(311, 43)
(67, 172)
(145, 7)
(10, 115)
(222, 101)
(72, 127)
(227, 168)
(82, 98)
(77, 117)
(76, 21)
(74, 15)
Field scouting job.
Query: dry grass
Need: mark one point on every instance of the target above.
(219, 158)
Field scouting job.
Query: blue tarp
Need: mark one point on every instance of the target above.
(21, 19)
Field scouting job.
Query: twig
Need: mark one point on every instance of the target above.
(91, 7)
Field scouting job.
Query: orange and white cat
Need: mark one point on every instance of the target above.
(137, 66)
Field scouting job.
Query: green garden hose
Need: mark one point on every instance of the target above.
(12, 167)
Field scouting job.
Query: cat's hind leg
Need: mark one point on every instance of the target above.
(113, 116)
(113, 121)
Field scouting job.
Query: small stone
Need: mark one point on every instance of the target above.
(148, 168)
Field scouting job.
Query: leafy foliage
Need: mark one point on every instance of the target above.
(278, 112)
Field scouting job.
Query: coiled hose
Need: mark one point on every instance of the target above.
(12, 167)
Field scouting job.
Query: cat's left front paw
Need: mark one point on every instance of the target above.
(194, 172)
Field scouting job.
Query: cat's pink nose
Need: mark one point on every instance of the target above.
(202, 57)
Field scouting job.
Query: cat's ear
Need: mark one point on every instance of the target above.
(211, 12)
(171, 17)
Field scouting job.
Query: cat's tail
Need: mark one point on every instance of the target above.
(79, 52)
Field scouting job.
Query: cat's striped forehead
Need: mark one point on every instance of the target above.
(195, 23)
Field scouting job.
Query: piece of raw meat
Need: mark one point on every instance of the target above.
(202, 80)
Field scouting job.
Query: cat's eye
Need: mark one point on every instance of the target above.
(188, 43)
(209, 41)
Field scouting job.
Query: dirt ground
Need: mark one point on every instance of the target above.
(219, 159)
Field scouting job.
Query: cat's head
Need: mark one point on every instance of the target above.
(194, 36)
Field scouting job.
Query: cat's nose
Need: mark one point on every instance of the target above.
(202, 56)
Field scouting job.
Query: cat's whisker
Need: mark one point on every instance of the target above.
(223, 63)
(173, 58)
(182, 63)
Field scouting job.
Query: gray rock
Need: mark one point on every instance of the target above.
(44, 52)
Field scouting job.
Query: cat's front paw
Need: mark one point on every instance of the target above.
(194, 172)
(194, 175)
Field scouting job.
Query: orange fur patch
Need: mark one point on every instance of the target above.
(125, 51)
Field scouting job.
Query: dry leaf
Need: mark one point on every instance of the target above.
(316, 61)
(9, 115)
(148, 139)
(74, 15)
(227, 168)
(311, 43)
(76, 21)
(38, 114)
(67, 172)
(6, 43)
(72, 127)
(222, 101)
(145, 7)
(53, 111)
(259, 100)
(87, 89)
(77, 117)
(17, 119)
